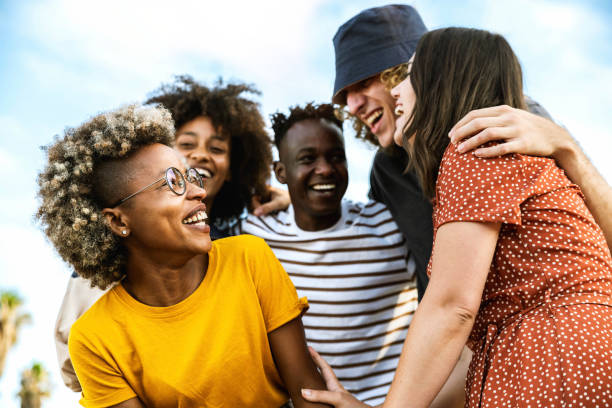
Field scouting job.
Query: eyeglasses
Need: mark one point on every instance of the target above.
(175, 180)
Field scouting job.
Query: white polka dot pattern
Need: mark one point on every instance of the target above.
(543, 335)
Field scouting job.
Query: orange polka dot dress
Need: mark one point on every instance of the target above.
(543, 334)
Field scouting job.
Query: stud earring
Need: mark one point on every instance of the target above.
(124, 232)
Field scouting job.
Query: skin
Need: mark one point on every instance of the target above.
(208, 150)
(367, 97)
(404, 102)
(312, 154)
(167, 259)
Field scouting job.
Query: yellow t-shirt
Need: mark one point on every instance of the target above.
(209, 350)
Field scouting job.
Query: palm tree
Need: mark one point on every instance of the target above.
(11, 319)
(34, 386)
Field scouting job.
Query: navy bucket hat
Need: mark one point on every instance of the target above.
(374, 40)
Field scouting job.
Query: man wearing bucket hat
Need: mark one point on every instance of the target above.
(373, 45)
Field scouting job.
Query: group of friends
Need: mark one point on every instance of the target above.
(197, 284)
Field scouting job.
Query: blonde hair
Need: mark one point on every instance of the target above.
(71, 203)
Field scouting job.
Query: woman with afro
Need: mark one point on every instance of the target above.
(220, 132)
(189, 322)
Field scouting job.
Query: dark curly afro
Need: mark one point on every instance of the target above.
(238, 117)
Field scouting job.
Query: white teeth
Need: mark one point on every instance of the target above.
(204, 173)
(200, 216)
(399, 110)
(373, 117)
(323, 187)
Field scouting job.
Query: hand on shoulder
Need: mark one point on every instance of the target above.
(518, 131)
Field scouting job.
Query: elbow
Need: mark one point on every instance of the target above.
(464, 315)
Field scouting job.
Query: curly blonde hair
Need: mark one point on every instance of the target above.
(71, 191)
(390, 77)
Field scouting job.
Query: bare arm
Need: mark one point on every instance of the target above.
(294, 363)
(526, 133)
(445, 316)
(279, 200)
(443, 320)
(452, 394)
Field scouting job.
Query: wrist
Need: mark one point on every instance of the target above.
(567, 150)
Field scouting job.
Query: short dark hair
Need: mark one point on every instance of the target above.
(236, 116)
(281, 123)
(456, 70)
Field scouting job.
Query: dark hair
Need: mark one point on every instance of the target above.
(455, 70)
(281, 123)
(240, 119)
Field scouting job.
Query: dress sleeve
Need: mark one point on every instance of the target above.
(103, 384)
(277, 295)
(474, 189)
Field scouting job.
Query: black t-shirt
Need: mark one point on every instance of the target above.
(411, 211)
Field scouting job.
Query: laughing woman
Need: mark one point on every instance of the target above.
(519, 269)
(191, 322)
(221, 133)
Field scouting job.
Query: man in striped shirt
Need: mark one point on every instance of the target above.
(349, 259)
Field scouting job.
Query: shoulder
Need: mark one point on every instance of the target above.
(240, 244)
(98, 319)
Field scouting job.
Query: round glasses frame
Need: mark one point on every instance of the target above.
(174, 179)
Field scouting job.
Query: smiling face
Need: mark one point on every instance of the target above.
(313, 165)
(372, 103)
(404, 105)
(207, 150)
(157, 220)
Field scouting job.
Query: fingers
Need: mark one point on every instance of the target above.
(487, 135)
(279, 200)
(331, 381)
(475, 126)
(327, 397)
(482, 113)
(498, 150)
(255, 203)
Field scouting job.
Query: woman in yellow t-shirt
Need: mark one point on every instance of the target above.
(192, 323)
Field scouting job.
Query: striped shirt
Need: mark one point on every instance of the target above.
(360, 286)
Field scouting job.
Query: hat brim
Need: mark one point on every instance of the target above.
(357, 67)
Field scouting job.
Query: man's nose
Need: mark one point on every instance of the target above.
(355, 101)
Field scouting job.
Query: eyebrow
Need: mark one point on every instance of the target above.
(215, 136)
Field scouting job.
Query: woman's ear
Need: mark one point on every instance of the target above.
(117, 221)
(279, 171)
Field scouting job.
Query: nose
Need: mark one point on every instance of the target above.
(199, 154)
(395, 91)
(354, 101)
(195, 192)
(324, 168)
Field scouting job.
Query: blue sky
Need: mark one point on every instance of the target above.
(63, 61)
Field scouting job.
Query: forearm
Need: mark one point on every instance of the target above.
(597, 192)
(434, 343)
(452, 394)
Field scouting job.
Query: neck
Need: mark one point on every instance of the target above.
(163, 283)
(309, 222)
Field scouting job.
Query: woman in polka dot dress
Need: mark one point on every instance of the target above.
(519, 269)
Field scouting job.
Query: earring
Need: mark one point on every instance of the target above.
(124, 232)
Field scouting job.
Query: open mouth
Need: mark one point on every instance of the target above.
(197, 218)
(204, 172)
(373, 118)
(323, 187)
(399, 110)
